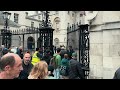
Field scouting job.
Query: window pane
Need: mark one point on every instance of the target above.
(16, 17)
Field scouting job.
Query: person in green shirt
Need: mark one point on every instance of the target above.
(57, 63)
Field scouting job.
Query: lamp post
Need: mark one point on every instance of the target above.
(46, 22)
(6, 17)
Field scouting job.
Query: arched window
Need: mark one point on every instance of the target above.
(40, 42)
(56, 40)
(30, 43)
(57, 23)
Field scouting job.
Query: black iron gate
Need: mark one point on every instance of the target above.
(84, 48)
(45, 32)
(78, 38)
(6, 37)
(45, 35)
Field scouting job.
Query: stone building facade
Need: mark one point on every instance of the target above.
(59, 21)
(104, 44)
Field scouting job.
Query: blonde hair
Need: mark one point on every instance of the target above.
(39, 70)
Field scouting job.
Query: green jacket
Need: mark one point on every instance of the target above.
(65, 62)
(57, 60)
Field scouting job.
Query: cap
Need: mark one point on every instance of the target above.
(74, 54)
(5, 48)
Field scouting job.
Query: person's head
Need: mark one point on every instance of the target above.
(40, 50)
(28, 51)
(58, 50)
(37, 49)
(74, 55)
(65, 56)
(62, 47)
(48, 52)
(10, 66)
(27, 58)
(13, 50)
(5, 51)
(21, 48)
(40, 70)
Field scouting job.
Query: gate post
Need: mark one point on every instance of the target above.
(6, 38)
(84, 48)
(23, 42)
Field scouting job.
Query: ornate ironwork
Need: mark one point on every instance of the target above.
(46, 22)
(73, 36)
(6, 35)
(84, 48)
(78, 38)
(45, 32)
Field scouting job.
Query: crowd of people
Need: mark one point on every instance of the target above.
(62, 64)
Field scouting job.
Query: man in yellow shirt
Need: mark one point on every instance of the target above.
(35, 57)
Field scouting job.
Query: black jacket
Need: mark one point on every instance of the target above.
(69, 52)
(25, 72)
(63, 51)
(117, 74)
(47, 58)
(75, 70)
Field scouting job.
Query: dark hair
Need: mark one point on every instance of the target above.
(5, 51)
(27, 52)
(37, 49)
(58, 50)
(9, 60)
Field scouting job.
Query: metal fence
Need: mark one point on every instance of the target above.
(78, 38)
(44, 40)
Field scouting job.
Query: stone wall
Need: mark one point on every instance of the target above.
(104, 51)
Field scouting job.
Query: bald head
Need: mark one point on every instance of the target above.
(9, 59)
(10, 54)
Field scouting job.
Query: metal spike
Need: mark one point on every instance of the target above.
(17, 32)
(74, 27)
(70, 28)
(24, 31)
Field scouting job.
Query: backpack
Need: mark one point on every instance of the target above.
(53, 62)
(63, 70)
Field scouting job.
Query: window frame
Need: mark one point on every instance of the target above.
(32, 24)
(16, 17)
